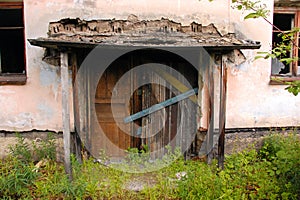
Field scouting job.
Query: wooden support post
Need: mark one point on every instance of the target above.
(66, 111)
(222, 115)
(211, 114)
(76, 138)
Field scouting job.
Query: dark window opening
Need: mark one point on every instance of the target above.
(11, 17)
(283, 22)
(12, 51)
(12, 42)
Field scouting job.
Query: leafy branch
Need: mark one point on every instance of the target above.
(258, 9)
(281, 50)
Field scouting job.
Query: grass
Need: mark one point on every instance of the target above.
(273, 172)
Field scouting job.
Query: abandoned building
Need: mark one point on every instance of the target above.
(138, 74)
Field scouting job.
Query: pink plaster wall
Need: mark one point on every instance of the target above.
(251, 101)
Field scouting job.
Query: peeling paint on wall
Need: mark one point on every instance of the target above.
(22, 120)
(46, 111)
(86, 3)
(49, 76)
(78, 1)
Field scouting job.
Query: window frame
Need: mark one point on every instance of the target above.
(15, 78)
(277, 79)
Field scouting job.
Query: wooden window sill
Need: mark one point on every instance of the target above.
(281, 80)
(13, 79)
(12, 4)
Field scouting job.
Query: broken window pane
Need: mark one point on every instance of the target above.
(283, 22)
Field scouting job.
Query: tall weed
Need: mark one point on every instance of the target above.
(21, 149)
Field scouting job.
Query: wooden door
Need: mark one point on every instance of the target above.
(116, 136)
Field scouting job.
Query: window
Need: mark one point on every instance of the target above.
(284, 22)
(12, 42)
(286, 16)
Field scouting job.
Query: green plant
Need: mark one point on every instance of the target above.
(46, 149)
(53, 183)
(21, 149)
(141, 162)
(247, 176)
(200, 182)
(16, 178)
(255, 8)
(282, 152)
(135, 156)
(293, 87)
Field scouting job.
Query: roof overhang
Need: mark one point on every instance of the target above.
(69, 45)
(68, 34)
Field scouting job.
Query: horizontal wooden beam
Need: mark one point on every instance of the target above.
(161, 105)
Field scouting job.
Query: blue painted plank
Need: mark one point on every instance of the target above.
(161, 105)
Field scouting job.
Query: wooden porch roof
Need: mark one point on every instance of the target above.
(77, 33)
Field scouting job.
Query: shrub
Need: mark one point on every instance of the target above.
(283, 153)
